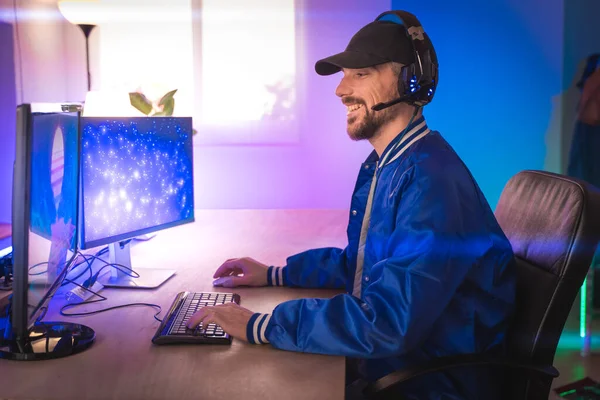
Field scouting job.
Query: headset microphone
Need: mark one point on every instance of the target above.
(382, 106)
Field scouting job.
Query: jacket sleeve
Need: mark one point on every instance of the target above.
(316, 268)
(436, 241)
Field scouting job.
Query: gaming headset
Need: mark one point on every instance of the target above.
(593, 62)
(417, 81)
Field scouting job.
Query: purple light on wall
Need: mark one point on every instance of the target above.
(317, 171)
(8, 103)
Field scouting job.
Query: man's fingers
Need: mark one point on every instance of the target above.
(205, 315)
(226, 268)
(198, 316)
(234, 281)
(230, 281)
(236, 271)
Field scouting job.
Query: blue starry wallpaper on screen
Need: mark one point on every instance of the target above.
(137, 174)
(54, 175)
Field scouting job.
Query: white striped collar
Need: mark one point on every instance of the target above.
(415, 131)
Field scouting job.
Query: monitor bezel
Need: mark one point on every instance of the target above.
(22, 319)
(21, 213)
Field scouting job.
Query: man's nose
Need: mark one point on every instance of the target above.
(343, 89)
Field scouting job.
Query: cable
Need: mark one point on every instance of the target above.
(86, 286)
(37, 265)
(101, 299)
(86, 259)
(89, 268)
(18, 40)
(92, 279)
(62, 310)
(120, 267)
(139, 239)
(43, 310)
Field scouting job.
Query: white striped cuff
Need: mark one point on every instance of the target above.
(275, 276)
(257, 327)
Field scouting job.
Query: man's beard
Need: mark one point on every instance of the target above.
(368, 125)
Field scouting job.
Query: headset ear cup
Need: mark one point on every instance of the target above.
(418, 81)
(403, 80)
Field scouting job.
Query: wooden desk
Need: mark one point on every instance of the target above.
(124, 364)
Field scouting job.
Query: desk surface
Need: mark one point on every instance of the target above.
(123, 363)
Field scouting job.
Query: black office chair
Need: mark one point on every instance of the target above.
(553, 224)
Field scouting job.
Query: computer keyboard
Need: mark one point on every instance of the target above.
(173, 329)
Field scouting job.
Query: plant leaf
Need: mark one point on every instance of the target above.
(167, 97)
(141, 102)
(169, 106)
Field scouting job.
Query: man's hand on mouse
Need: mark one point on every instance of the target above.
(241, 272)
(231, 317)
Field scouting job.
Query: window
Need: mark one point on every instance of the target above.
(245, 69)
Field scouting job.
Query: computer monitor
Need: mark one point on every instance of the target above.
(136, 178)
(44, 223)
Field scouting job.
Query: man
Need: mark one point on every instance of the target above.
(427, 270)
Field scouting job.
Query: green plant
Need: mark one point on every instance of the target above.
(163, 107)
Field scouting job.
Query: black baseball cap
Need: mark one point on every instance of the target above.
(377, 43)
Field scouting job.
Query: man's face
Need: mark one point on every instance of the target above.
(361, 89)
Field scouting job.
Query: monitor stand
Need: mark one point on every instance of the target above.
(44, 341)
(149, 278)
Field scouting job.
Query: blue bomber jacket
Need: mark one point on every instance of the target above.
(427, 271)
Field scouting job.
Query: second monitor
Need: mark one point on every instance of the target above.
(136, 178)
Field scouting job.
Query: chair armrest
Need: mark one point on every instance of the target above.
(462, 360)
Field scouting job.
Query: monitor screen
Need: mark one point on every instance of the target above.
(137, 176)
(54, 198)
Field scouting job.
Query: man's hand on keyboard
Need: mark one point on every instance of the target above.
(231, 317)
(241, 272)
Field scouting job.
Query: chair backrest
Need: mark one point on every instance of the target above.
(553, 224)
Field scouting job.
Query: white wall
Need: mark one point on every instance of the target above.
(48, 59)
(307, 163)
(52, 53)
(317, 168)
(147, 48)
(8, 100)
